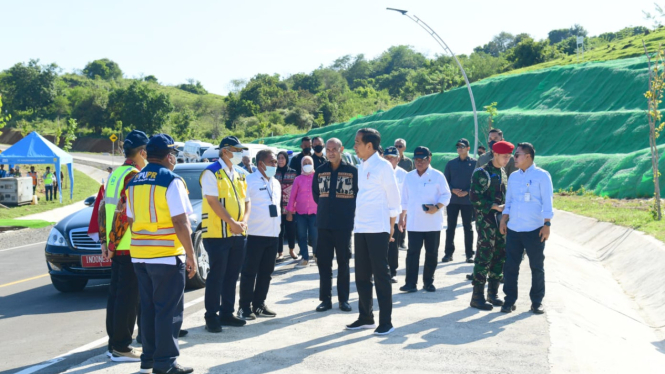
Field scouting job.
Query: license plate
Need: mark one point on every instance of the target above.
(94, 261)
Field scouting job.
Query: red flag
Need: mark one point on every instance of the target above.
(93, 227)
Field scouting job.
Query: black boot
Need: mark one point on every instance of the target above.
(493, 292)
(478, 298)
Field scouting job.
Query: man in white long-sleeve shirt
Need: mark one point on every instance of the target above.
(377, 207)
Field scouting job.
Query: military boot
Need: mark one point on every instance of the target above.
(478, 298)
(493, 292)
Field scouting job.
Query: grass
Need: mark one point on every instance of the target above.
(30, 223)
(84, 187)
(633, 213)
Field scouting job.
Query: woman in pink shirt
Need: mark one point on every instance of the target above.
(302, 204)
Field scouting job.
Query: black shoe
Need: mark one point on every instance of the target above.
(175, 369)
(344, 306)
(246, 314)
(231, 320)
(408, 288)
(537, 309)
(384, 329)
(493, 292)
(357, 325)
(469, 277)
(138, 339)
(213, 325)
(402, 247)
(393, 280)
(447, 258)
(324, 306)
(183, 333)
(478, 298)
(430, 288)
(502, 279)
(508, 308)
(145, 369)
(264, 311)
(469, 260)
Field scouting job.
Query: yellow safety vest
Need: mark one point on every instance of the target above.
(232, 194)
(114, 187)
(153, 235)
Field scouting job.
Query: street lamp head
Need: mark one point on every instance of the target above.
(398, 10)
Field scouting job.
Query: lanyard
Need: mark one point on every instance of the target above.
(267, 188)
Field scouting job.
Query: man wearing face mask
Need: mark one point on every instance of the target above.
(158, 210)
(296, 162)
(226, 209)
(495, 136)
(263, 229)
(318, 157)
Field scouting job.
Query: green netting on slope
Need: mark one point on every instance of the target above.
(573, 109)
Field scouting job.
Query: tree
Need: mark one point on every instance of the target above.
(654, 97)
(182, 122)
(151, 79)
(656, 17)
(556, 36)
(3, 118)
(140, 107)
(528, 52)
(30, 87)
(70, 134)
(493, 112)
(194, 87)
(103, 68)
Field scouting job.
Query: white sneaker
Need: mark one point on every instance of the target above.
(302, 264)
(132, 356)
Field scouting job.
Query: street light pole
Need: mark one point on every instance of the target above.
(443, 45)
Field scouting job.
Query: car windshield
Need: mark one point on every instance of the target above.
(191, 178)
(202, 150)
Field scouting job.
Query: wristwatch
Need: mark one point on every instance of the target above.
(548, 223)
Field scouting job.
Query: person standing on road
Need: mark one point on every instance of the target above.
(318, 157)
(302, 204)
(32, 173)
(296, 161)
(123, 299)
(424, 195)
(3, 172)
(392, 155)
(226, 209)
(334, 189)
(48, 183)
(406, 164)
(495, 136)
(458, 174)
(529, 204)
(158, 210)
(488, 195)
(377, 207)
(263, 233)
(285, 175)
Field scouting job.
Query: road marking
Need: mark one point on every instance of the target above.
(21, 246)
(23, 280)
(102, 341)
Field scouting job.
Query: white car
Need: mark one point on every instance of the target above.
(212, 154)
(194, 149)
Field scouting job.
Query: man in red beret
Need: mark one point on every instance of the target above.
(488, 195)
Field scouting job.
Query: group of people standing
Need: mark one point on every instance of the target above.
(325, 202)
(49, 179)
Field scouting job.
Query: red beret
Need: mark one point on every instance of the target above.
(503, 147)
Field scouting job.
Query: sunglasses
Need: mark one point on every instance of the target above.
(399, 146)
(461, 146)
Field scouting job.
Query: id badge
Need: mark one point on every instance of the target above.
(273, 210)
(527, 197)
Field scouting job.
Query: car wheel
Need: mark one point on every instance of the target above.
(68, 285)
(199, 280)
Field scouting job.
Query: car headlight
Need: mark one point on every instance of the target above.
(55, 238)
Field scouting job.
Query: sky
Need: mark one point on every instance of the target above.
(217, 41)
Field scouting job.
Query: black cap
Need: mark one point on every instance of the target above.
(421, 152)
(231, 141)
(135, 139)
(463, 141)
(391, 151)
(159, 145)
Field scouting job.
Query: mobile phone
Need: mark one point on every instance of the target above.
(425, 208)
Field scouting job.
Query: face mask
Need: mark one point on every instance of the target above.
(491, 143)
(307, 151)
(318, 148)
(308, 168)
(270, 170)
(237, 158)
(172, 163)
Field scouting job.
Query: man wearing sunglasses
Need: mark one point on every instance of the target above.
(404, 162)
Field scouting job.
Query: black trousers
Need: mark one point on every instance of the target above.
(331, 242)
(453, 211)
(288, 230)
(431, 240)
(162, 292)
(257, 270)
(122, 304)
(516, 244)
(226, 257)
(371, 254)
(393, 250)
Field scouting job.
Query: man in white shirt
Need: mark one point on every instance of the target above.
(263, 230)
(377, 207)
(424, 195)
(393, 156)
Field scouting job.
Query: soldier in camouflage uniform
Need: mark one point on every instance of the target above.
(488, 195)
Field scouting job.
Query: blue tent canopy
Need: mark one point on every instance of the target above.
(34, 149)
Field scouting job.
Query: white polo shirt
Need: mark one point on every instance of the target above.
(262, 193)
(429, 188)
(378, 196)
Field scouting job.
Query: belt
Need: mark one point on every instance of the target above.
(122, 253)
